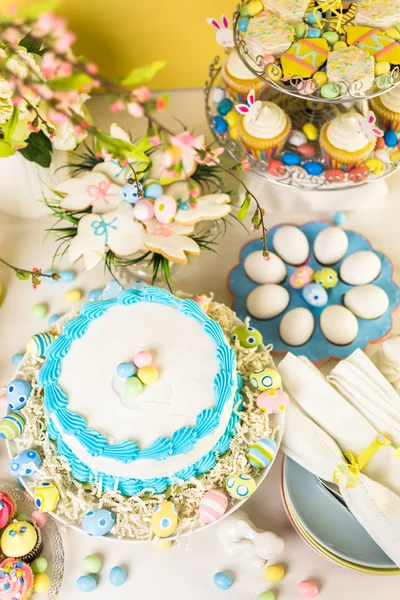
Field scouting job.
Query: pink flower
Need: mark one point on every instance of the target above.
(39, 281)
(43, 91)
(12, 36)
(117, 106)
(195, 192)
(49, 65)
(92, 69)
(64, 69)
(135, 109)
(211, 158)
(65, 99)
(57, 117)
(184, 141)
(17, 100)
(48, 23)
(64, 41)
(155, 140)
(142, 94)
(246, 165)
(161, 104)
(31, 127)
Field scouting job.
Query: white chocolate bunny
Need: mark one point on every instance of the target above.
(224, 35)
(252, 108)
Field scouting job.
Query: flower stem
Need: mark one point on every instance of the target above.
(38, 274)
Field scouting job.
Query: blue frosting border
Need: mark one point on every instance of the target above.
(96, 444)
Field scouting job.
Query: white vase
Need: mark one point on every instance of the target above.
(24, 184)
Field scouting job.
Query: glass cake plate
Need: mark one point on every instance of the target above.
(53, 550)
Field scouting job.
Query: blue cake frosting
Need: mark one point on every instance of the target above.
(182, 441)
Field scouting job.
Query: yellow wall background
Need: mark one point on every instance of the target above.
(122, 34)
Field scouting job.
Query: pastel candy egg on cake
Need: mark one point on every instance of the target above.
(265, 379)
(164, 519)
(17, 394)
(326, 277)
(25, 463)
(148, 375)
(301, 277)
(247, 336)
(12, 426)
(143, 359)
(212, 506)
(46, 496)
(240, 486)
(262, 453)
(272, 401)
(98, 522)
(125, 370)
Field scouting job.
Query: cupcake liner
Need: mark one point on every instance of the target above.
(36, 551)
(336, 158)
(386, 119)
(264, 149)
(238, 89)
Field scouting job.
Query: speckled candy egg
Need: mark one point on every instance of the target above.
(25, 463)
(212, 506)
(301, 277)
(165, 209)
(272, 401)
(12, 426)
(265, 379)
(262, 453)
(98, 522)
(17, 394)
(248, 337)
(326, 277)
(240, 486)
(315, 295)
(132, 191)
(203, 301)
(46, 496)
(164, 519)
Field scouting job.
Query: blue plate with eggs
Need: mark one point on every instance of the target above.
(329, 522)
(318, 349)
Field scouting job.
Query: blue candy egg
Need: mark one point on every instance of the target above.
(243, 24)
(220, 124)
(314, 168)
(153, 190)
(112, 290)
(138, 285)
(239, 382)
(315, 295)
(125, 370)
(48, 280)
(225, 106)
(16, 359)
(313, 16)
(95, 294)
(53, 319)
(98, 522)
(25, 463)
(291, 158)
(87, 583)
(390, 138)
(66, 276)
(314, 32)
(132, 192)
(339, 218)
(17, 394)
(117, 576)
(222, 581)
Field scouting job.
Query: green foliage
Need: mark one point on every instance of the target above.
(38, 149)
(143, 74)
(10, 126)
(78, 81)
(6, 149)
(23, 275)
(244, 209)
(118, 147)
(31, 43)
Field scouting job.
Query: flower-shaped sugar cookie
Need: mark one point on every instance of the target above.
(93, 189)
(171, 240)
(193, 210)
(115, 230)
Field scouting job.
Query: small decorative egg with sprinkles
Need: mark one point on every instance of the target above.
(165, 208)
(326, 277)
(46, 496)
(212, 506)
(240, 486)
(315, 295)
(262, 453)
(12, 426)
(98, 522)
(17, 394)
(247, 336)
(272, 401)
(203, 301)
(164, 519)
(25, 463)
(265, 379)
(301, 277)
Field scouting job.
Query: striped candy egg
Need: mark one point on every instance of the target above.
(38, 343)
(272, 401)
(212, 506)
(240, 486)
(12, 426)
(265, 379)
(262, 453)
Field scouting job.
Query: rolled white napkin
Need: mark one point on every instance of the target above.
(374, 506)
(337, 417)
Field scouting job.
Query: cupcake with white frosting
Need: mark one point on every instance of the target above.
(263, 129)
(239, 79)
(387, 109)
(344, 143)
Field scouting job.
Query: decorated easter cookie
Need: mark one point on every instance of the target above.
(171, 240)
(12, 426)
(16, 580)
(164, 519)
(92, 190)
(268, 34)
(374, 42)
(305, 57)
(205, 208)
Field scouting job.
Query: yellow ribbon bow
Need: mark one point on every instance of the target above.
(355, 464)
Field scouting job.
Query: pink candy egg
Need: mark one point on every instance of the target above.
(301, 277)
(272, 401)
(143, 210)
(212, 506)
(39, 518)
(203, 301)
(276, 168)
(358, 174)
(142, 359)
(334, 175)
(308, 589)
(165, 209)
(269, 59)
(306, 150)
(380, 143)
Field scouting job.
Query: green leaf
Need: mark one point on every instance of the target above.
(244, 209)
(78, 82)
(118, 147)
(6, 149)
(143, 74)
(32, 12)
(10, 126)
(23, 275)
(31, 43)
(38, 149)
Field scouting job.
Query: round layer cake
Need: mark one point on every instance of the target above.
(176, 427)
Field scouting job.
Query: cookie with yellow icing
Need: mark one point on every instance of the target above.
(305, 57)
(374, 42)
(21, 540)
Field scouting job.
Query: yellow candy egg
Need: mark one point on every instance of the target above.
(274, 72)
(240, 486)
(326, 277)
(393, 33)
(46, 496)
(310, 131)
(320, 77)
(254, 7)
(233, 132)
(339, 45)
(265, 379)
(375, 165)
(41, 583)
(164, 519)
(395, 156)
(73, 296)
(232, 118)
(165, 545)
(148, 375)
(382, 67)
(274, 573)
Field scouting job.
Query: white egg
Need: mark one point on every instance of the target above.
(264, 271)
(339, 325)
(297, 326)
(330, 245)
(360, 268)
(367, 301)
(267, 301)
(291, 244)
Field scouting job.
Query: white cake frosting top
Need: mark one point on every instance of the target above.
(391, 100)
(236, 67)
(269, 123)
(344, 132)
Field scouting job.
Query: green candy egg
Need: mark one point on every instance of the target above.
(133, 386)
(248, 337)
(22, 517)
(92, 564)
(300, 30)
(244, 11)
(265, 379)
(39, 565)
(330, 91)
(266, 596)
(331, 37)
(40, 310)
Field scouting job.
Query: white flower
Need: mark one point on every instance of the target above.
(115, 230)
(23, 64)
(93, 189)
(6, 104)
(65, 136)
(171, 240)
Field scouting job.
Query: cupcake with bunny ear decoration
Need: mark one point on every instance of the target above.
(263, 127)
